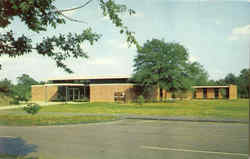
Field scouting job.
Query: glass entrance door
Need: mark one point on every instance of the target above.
(74, 94)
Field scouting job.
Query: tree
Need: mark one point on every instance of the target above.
(198, 73)
(38, 15)
(5, 86)
(221, 82)
(244, 83)
(230, 79)
(166, 66)
(22, 90)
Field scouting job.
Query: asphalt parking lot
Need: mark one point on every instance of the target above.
(129, 139)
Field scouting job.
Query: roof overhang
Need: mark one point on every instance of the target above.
(64, 84)
(91, 77)
(59, 84)
(210, 87)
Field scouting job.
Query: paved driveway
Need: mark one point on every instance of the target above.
(129, 139)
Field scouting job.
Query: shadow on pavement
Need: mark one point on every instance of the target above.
(15, 146)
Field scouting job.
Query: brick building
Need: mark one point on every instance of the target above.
(113, 88)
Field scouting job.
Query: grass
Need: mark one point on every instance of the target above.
(42, 120)
(223, 109)
(4, 100)
(14, 157)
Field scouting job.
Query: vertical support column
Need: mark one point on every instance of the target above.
(84, 95)
(66, 88)
(46, 94)
(79, 93)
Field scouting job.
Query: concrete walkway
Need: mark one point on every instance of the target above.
(24, 104)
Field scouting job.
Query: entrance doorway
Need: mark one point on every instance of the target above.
(74, 94)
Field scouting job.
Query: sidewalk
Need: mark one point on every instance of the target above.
(23, 105)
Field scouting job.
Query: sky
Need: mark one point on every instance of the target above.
(216, 34)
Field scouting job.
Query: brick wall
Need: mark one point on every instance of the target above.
(105, 92)
(51, 92)
(210, 93)
(41, 93)
(199, 93)
(37, 93)
(232, 92)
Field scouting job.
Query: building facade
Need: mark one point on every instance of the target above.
(116, 88)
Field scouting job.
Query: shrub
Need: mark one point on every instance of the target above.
(32, 108)
(14, 101)
(180, 94)
(223, 93)
(140, 100)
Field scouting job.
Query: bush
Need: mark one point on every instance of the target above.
(140, 100)
(223, 93)
(14, 101)
(32, 108)
(180, 94)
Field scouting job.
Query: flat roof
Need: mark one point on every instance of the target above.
(91, 77)
(210, 87)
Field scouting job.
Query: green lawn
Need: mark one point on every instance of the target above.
(214, 109)
(231, 109)
(14, 157)
(29, 120)
(4, 100)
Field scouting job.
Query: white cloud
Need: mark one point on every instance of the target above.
(238, 32)
(216, 74)
(244, 30)
(193, 58)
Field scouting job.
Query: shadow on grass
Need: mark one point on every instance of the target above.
(15, 148)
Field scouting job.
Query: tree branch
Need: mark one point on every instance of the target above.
(81, 6)
(74, 20)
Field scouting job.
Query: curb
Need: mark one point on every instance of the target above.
(189, 120)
